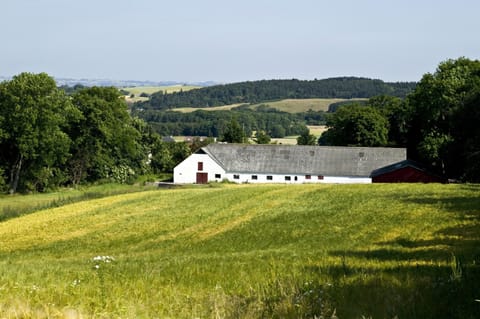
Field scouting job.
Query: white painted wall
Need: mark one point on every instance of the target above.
(186, 171)
(295, 179)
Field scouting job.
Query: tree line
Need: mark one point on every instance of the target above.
(269, 90)
(49, 138)
(278, 124)
(438, 122)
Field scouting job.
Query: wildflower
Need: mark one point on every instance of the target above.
(105, 259)
(97, 260)
(75, 283)
(34, 288)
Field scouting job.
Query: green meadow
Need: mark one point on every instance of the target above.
(247, 251)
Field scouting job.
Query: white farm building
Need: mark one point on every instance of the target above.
(241, 163)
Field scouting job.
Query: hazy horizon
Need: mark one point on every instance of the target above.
(226, 42)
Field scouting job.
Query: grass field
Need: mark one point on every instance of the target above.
(316, 130)
(12, 206)
(248, 251)
(138, 90)
(302, 105)
(287, 105)
(214, 108)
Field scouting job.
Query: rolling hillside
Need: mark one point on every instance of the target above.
(270, 90)
(244, 251)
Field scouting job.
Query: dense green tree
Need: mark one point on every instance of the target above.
(306, 138)
(356, 125)
(167, 155)
(35, 114)
(107, 143)
(278, 131)
(261, 137)
(434, 109)
(396, 112)
(233, 133)
(467, 138)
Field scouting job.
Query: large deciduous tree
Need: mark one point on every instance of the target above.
(356, 125)
(107, 143)
(396, 112)
(441, 111)
(233, 132)
(34, 115)
(306, 138)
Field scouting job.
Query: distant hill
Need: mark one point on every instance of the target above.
(270, 90)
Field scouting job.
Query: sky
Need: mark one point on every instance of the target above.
(231, 40)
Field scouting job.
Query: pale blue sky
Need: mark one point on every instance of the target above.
(229, 41)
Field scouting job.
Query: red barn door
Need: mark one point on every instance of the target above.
(202, 178)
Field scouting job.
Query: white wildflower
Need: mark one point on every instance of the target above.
(105, 259)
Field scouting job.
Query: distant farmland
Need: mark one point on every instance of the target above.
(287, 105)
(138, 90)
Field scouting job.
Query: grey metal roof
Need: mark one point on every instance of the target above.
(300, 159)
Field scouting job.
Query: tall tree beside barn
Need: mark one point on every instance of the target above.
(442, 108)
(395, 111)
(35, 114)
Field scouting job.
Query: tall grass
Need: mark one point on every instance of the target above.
(249, 251)
(12, 206)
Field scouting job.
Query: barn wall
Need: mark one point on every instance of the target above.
(407, 175)
(186, 171)
(294, 179)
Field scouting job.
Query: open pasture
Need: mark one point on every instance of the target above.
(248, 251)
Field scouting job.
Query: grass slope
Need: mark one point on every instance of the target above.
(249, 251)
(138, 90)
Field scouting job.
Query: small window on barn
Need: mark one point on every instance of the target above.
(255, 177)
(200, 166)
(269, 177)
(218, 176)
(236, 176)
(296, 178)
(320, 177)
(288, 178)
(308, 176)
